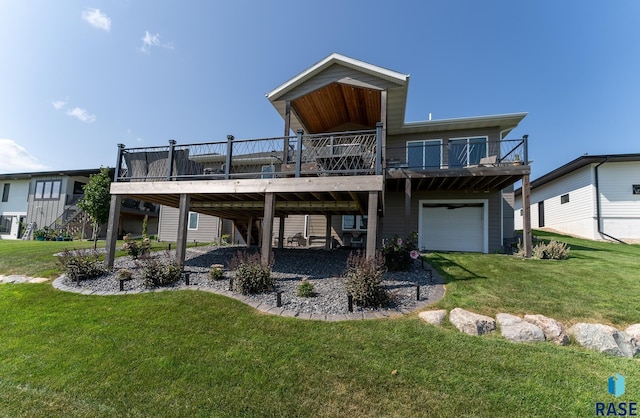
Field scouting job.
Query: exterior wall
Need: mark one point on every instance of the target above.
(395, 223)
(207, 230)
(508, 229)
(620, 208)
(15, 207)
(44, 212)
(575, 217)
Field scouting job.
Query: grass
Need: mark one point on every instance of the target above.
(192, 353)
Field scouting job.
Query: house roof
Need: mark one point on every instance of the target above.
(68, 173)
(577, 164)
(340, 99)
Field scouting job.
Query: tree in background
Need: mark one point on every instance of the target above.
(97, 200)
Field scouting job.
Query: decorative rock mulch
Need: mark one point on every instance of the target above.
(535, 328)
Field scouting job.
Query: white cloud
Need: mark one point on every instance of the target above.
(82, 115)
(149, 41)
(97, 19)
(15, 159)
(59, 104)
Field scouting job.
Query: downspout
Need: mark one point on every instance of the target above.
(598, 204)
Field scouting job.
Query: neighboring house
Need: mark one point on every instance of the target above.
(49, 199)
(354, 173)
(594, 196)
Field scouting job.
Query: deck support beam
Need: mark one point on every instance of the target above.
(407, 206)
(526, 216)
(249, 232)
(372, 225)
(281, 232)
(267, 228)
(112, 229)
(183, 222)
(327, 234)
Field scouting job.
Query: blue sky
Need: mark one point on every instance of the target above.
(79, 77)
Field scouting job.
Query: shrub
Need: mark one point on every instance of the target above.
(399, 253)
(81, 264)
(159, 272)
(364, 280)
(553, 250)
(251, 275)
(136, 248)
(224, 239)
(305, 289)
(216, 272)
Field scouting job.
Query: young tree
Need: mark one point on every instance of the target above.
(97, 200)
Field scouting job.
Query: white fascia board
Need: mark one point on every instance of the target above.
(328, 61)
(514, 118)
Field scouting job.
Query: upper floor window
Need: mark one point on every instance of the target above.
(564, 199)
(48, 189)
(424, 154)
(636, 189)
(5, 192)
(467, 151)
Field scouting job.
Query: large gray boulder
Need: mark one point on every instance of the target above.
(471, 323)
(605, 339)
(433, 317)
(514, 329)
(553, 330)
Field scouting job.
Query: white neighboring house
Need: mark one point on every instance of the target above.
(594, 196)
(14, 194)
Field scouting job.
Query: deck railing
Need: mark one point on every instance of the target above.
(455, 154)
(342, 153)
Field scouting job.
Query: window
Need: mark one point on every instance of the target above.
(193, 220)
(424, 154)
(49, 189)
(636, 189)
(5, 192)
(5, 224)
(267, 172)
(564, 199)
(354, 223)
(467, 151)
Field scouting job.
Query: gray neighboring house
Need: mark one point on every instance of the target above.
(49, 199)
(349, 170)
(595, 197)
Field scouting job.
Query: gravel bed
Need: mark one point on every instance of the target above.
(323, 269)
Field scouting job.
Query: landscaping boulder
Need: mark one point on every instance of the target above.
(514, 329)
(433, 317)
(553, 330)
(634, 332)
(605, 339)
(471, 323)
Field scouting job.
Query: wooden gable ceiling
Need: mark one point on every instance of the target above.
(337, 106)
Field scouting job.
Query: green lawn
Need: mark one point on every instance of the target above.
(192, 353)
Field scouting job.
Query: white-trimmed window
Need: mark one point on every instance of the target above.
(467, 151)
(193, 220)
(354, 223)
(5, 192)
(424, 154)
(5, 224)
(564, 199)
(47, 189)
(267, 172)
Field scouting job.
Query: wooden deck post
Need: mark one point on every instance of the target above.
(281, 232)
(372, 225)
(327, 234)
(526, 215)
(112, 229)
(407, 206)
(183, 223)
(249, 227)
(267, 228)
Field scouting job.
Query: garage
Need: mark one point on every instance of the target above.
(459, 225)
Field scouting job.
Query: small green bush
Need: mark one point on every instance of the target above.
(399, 253)
(81, 264)
(216, 272)
(136, 248)
(364, 280)
(157, 272)
(251, 276)
(305, 289)
(553, 250)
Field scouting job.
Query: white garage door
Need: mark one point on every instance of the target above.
(453, 227)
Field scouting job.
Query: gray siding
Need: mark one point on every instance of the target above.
(168, 229)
